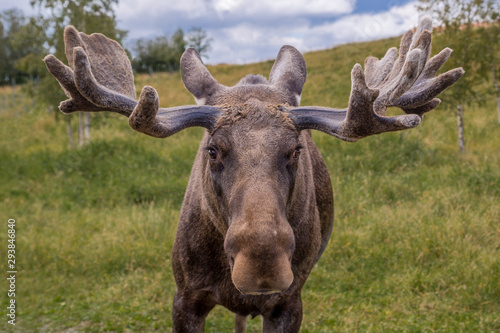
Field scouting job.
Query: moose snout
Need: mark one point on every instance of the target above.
(260, 258)
(252, 277)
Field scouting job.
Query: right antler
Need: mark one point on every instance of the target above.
(407, 82)
(100, 78)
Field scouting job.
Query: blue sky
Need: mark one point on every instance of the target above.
(374, 6)
(246, 31)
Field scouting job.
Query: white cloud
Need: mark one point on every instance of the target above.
(248, 42)
(363, 27)
(284, 8)
(152, 8)
(147, 16)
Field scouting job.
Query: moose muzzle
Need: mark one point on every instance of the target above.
(260, 257)
(251, 277)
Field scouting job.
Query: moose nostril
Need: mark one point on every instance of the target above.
(231, 261)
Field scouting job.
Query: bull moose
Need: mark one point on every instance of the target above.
(258, 209)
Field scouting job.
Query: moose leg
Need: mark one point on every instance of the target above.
(240, 323)
(285, 317)
(190, 310)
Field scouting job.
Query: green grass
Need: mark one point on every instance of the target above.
(415, 248)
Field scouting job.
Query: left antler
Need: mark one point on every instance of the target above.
(100, 78)
(406, 81)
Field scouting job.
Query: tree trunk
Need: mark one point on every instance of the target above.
(87, 128)
(460, 119)
(495, 83)
(13, 81)
(80, 129)
(70, 132)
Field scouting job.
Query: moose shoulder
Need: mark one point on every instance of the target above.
(258, 209)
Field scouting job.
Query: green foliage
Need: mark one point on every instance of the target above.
(415, 247)
(198, 38)
(86, 15)
(17, 41)
(163, 54)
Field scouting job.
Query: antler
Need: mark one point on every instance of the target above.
(100, 78)
(406, 81)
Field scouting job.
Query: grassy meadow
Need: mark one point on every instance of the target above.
(415, 247)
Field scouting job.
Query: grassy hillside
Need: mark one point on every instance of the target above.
(415, 248)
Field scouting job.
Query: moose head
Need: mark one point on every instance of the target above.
(258, 210)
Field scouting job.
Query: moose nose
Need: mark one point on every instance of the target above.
(253, 277)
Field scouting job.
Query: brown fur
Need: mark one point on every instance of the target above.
(200, 259)
(232, 113)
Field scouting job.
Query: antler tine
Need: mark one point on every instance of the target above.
(421, 96)
(376, 71)
(96, 93)
(403, 51)
(393, 89)
(66, 79)
(424, 24)
(407, 81)
(112, 89)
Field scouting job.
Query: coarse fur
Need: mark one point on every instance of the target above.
(258, 209)
(233, 113)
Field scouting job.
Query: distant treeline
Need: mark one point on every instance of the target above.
(163, 53)
(18, 44)
(24, 41)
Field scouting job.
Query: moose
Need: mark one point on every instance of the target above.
(258, 209)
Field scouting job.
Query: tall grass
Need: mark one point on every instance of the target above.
(415, 248)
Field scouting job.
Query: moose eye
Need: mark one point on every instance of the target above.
(212, 154)
(296, 153)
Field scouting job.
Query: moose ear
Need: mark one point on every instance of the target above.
(196, 76)
(289, 71)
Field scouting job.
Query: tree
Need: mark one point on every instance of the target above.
(157, 55)
(29, 43)
(178, 44)
(164, 53)
(198, 38)
(86, 15)
(12, 24)
(460, 32)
